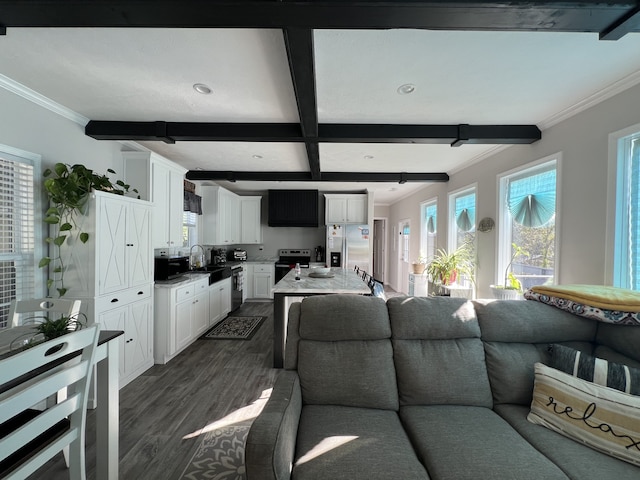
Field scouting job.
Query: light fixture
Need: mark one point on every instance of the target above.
(368, 157)
(257, 157)
(201, 88)
(406, 89)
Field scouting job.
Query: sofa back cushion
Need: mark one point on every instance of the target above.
(438, 353)
(517, 334)
(624, 340)
(344, 353)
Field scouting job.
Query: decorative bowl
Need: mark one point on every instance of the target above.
(320, 270)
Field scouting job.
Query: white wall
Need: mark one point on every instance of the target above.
(582, 140)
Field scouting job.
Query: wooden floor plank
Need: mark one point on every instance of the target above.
(164, 412)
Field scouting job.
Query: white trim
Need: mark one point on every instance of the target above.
(423, 241)
(39, 99)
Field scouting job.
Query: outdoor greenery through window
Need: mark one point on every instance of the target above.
(428, 229)
(18, 236)
(528, 224)
(189, 229)
(462, 224)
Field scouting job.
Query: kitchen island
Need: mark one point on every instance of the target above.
(289, 290)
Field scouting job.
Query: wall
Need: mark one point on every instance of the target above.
(582, 140)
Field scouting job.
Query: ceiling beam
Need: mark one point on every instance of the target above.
(627, 23)
(299, 45)
(553, 16)
(399, 177)
(327, 133)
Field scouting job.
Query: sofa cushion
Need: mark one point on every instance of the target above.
(530, 322)
(353, 444)
(575, 459)
(601, 417)
(350, 373)
(595, 369)
(461, 442)
(622, 338)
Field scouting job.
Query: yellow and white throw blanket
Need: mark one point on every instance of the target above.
(603, 303)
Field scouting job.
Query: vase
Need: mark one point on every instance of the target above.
(418, 268)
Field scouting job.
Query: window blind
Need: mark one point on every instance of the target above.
(466, 212)
(634, 216)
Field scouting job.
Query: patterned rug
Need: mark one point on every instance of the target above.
(235, 328)
(220, 455)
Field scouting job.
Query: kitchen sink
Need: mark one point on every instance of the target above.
(217, 273)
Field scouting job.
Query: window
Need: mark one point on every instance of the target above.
(428, 229)
(626, 252)
(462, 225)
(189, 229)
(19, 240)
(527, 236)
(406, 230)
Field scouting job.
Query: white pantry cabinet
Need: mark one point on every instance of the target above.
(162, 182)
(219, 301)
(345, 208)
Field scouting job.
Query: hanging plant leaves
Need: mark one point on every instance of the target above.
(84, 237)
(51, 219)
(59, 240)
(44, 262)
(65, 227)
(62, 291)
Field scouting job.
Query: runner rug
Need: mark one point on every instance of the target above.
(235, 328)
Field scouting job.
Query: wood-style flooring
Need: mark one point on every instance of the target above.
(164, 411)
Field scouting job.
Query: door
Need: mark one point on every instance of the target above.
(379, 248)
(404, 230)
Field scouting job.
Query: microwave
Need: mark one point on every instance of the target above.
(168, 268)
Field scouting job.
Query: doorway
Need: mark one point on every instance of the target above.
(404, 230)
(379, 248)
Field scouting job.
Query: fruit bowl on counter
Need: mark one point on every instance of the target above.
(321, 272)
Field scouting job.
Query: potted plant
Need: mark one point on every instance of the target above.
(67, 190)
(512, 287)
(419, 265)
(446, 267)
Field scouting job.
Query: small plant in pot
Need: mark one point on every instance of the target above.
(512, 287)
(419, 265)
(446, 267)
(47, 328)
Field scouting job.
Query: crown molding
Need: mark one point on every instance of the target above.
(39, 99)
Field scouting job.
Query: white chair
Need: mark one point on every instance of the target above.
(29, 437)
(37, 308)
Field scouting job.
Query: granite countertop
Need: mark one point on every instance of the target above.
(264, 259)
(183, 280)
(344, 281)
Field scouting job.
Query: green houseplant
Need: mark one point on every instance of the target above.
(512, 287)
(446, 267)
(67, 190)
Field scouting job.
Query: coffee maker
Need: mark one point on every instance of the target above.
(319, 254)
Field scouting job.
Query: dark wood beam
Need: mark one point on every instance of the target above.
(299, 45)
(327, 133)
(3, 30)
(399, 177)
(553, 16)
(627, 23)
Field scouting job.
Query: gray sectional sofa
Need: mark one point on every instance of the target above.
(419, 388)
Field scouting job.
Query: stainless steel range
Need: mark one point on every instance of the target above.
(287, 259)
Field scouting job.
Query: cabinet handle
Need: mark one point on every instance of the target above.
(140, 292)
(114, 300)
(129, 244)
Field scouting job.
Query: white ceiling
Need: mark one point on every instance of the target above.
(459, 77)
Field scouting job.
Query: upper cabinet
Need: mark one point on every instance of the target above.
(250, 229)
(160, 181)
(345, 208)
(228, 218)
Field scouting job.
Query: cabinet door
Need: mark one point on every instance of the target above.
(176, 205)
(251, 230)
(139, 335)
(183, 312)
(357, 209)
(111, 253)
(262, 285)
(232, 218)
(161, 206)
(335, 209)
(215, 312)
(225, 297)
(138, 245)
(116, 320)
(200, 320)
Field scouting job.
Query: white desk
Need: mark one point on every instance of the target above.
(107, 410)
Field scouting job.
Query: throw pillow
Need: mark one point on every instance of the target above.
(596, 370)
(600, 417)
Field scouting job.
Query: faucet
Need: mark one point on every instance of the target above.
(198, 263)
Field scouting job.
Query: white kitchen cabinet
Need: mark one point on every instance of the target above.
(345, 208)
(220, 216)
(247, 290)
(263, 278)
(182, 315)
(250, 227)
(219, 300)
(136, 344)
(162, 182)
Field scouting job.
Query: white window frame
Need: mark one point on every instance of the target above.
(503, 245)
(452, 240)
(192, 228)
(617, 242)
(424, 236)
(36, 289)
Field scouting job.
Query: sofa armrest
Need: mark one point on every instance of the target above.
(271, 442)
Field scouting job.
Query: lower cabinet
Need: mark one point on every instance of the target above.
(263, 276)
(182, 315)
(219, 301)
(136, 345)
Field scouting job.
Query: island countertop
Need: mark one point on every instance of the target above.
(343, 281)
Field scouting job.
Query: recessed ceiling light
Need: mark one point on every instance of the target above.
(201, 88)
(368, 157)
(406, 89)
(393, 189)
(257, 157)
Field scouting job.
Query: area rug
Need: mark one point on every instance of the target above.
(220, 455)
(235, 328)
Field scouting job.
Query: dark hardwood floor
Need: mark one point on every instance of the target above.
(164, 411)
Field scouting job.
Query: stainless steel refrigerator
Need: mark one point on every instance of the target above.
(351, 243)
